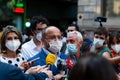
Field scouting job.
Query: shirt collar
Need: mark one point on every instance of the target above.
(46, 51)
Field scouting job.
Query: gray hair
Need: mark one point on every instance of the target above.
(79, 35)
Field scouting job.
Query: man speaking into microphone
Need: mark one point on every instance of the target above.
(51, 37)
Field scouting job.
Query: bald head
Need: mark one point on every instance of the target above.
(51, 34)
(51, 30)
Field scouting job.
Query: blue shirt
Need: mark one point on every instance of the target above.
(42, 61)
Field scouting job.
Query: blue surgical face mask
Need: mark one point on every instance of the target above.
(72, 48)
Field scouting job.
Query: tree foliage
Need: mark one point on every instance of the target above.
(6, 10)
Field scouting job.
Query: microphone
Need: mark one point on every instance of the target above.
(50, 60)
(69, 63)
(62, 66)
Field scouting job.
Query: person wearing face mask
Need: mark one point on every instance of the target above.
(74, 43)
(10, 44)
(32, 47)
(10, 48)
(51, 38)
(13, 64)
(114, 45)
(70, 28)
(100, 41)
(101, 46)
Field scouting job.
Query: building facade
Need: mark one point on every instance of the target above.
(88, 10)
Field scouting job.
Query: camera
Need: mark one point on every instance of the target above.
(101, 19)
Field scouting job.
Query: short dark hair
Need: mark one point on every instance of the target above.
(77, 29)
(38, 19)
(92, 67)
(102, 31)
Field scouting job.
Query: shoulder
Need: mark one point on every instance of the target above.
(36, 56)
(41, 54)
(4, 65)
(9, 69)
(10, 72)
(106, 49)
(88, 40)
(27, 44)
(63, 56)
(3, 59)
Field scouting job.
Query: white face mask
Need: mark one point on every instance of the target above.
(55, 46)
(116, 48)
(13, 45)
(98, 42)
(39, 36)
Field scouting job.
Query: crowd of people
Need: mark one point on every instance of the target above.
(76, 56)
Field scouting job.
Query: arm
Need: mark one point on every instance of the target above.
(16, 74)
(113, 60)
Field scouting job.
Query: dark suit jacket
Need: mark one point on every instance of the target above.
(9, 72)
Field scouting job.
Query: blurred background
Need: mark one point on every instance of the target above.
(61, 13)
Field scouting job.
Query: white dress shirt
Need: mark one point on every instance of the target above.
(29, 49)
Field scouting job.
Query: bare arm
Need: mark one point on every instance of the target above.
(113, 60)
